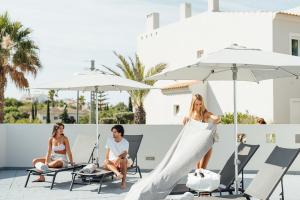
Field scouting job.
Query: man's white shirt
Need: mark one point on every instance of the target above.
(116, 148)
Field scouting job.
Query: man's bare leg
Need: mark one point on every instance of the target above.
(124, 172)
(111, 166)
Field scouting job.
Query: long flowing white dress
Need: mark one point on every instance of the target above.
(193, 142)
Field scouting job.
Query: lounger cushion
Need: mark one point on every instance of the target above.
(272, 171)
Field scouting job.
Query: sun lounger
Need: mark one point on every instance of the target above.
(134, 145)
(100, 174)
(80, 150)
(268, 177)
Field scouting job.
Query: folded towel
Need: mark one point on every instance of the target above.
(89, 169)
(41, 166)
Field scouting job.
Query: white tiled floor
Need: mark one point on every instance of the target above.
(12, 188)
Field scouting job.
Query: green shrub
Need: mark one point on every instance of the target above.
(85, 119)
(8, 102)
(10, 109)
(108, 120)
(12, 114)
(125, 117)
(243, 118)
(28, 121)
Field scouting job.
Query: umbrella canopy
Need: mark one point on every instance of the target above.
(94, 81)
(252, 65)
(237, 63)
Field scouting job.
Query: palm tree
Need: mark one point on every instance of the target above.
(134, 69)
(51, 95)
(18, 56)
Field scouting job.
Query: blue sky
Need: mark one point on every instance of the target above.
(70, 33)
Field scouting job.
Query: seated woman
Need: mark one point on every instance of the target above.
(58, 148)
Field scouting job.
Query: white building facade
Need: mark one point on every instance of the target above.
(185, 41)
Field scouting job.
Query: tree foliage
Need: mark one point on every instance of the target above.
(13, 113)
(243, 118)
(18, 56)
(117, 114)
(65, 118)
(134, 69)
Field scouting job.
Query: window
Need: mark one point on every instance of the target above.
(44, 117)
(297, 138)
(294, 110)
(200, 53)
(55, 118)
(294, 44)
(295, 47)
(176, 109)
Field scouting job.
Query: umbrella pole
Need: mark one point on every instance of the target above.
(77, 108)
(97, 128)
(236, 161)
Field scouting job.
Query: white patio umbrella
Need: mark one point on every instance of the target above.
(237, 63)
(94, 81)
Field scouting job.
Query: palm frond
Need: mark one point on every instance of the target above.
(156, 69)
(153, 71)
(18, 78)
(137, 76)
(125, 67)
(140, 68)
(111, 70)
(25, 59)
(134, 69)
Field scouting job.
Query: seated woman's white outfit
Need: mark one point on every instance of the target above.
(193, 142)
(41, 166)
(58, 156)
(54, 156)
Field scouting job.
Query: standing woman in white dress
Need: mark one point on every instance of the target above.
(199, 112)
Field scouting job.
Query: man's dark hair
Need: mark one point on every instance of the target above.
(119, 128)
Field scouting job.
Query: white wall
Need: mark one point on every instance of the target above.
(28, 141)
(257, 99)
(33, 140)
(177, 45)
(2, 145)
(256, 134)
(160, 108)
(284, 89)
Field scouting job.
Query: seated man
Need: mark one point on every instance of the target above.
(116, 154)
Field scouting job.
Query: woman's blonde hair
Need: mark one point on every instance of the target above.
(202, 109)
